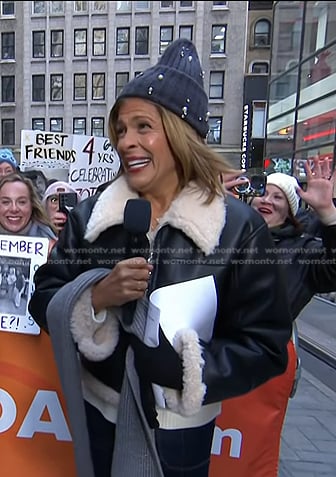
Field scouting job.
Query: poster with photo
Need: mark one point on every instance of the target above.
(20, 257)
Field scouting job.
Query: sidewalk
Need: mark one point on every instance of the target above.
(309, 435)
(317, 322)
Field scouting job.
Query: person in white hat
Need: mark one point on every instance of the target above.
(281, 199)
(309, 262)
(50, 200)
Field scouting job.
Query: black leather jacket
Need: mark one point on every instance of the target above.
(229, 241)
(309, 262)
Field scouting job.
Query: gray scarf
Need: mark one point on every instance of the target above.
(32, 229)
(135, 452)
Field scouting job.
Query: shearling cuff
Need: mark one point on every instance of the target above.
(96, 341)
(189, 400)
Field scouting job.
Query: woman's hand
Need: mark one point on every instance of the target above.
(320, 186)
(232, 180)
(127, 281)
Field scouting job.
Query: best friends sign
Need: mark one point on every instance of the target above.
(84, 161)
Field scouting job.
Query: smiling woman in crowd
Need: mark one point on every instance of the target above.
(21, 211)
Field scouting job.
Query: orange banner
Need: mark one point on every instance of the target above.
(34, 435)
(247, 436)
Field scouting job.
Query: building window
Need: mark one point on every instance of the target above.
(39, 8)
(56, 7)
(56, 40)
(218, 38)
(186, 31)
(38, 124)
(258, 119)
(124, 6)
(215, 130)
(99, 42)
(121, 80)
(141, 5)
(56, 87)
(262, 33)
(98, 86)
(141, 40)
(168, 4)
(216, 88)
(38, 44)
(166, 37)
(38, 88)
(186, 4)
(7, 8)
(8, 46)
(97, 127)
(99, 7)
(8, 132)
(123, 35)
(81, 6)
(219, 4)
(80, 47)
(79, 87)
(56, 124)
(8, 89)
(79, 126)
(259, 67)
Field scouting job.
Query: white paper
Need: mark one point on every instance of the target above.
(191, 304)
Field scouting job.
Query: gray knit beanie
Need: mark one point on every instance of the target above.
(176, 83)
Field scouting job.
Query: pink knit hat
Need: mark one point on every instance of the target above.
(57, 187)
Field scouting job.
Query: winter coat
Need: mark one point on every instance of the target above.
(226, 239)
(309, 262)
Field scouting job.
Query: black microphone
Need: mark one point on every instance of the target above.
(137, 219)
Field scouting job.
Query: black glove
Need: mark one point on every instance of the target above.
(160, 365)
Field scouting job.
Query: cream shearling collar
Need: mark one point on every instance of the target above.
(203, 223)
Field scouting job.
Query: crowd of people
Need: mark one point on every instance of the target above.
(150, 410)
(43, 194)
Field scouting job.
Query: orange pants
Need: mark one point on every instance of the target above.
(248, 431)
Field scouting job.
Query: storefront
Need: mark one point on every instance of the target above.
(301, 116)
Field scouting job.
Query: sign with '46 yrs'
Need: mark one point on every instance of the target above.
(20, 257)
(96, 162)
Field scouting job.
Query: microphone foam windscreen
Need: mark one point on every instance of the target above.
(137, 216)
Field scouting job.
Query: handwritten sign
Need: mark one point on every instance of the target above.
(41, 150)
(20, 257)
(84, 161)
(96, 162)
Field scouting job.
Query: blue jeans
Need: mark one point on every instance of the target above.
(101, 433)
(182, 452)
(185, 452)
